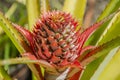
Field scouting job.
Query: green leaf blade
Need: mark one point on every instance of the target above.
(112, 70)
(111, 31)
(106, 32)
(45, 7)
(17, 39)
(102, 71)
(33, 9)
(112, 6)
(11, 32)
(76, 8)
(4, 75)
(97, 56)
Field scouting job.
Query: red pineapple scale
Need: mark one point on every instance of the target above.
(55, 36)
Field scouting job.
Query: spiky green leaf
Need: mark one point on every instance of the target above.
(12, 33)
(112, 6)
(16, 38)
(98, 55)
(107, 32)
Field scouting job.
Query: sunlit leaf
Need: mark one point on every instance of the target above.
(112, 70)
(45, 7)
(76, 8)
(111, 7)
(4, 75)
(96, 55)
(102, 67)
(25, 60)
(33, 9)
(104, 34)
(111, 31)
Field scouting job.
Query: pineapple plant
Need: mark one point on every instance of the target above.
(54, 46)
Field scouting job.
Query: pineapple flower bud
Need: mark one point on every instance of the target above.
(56, 41)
